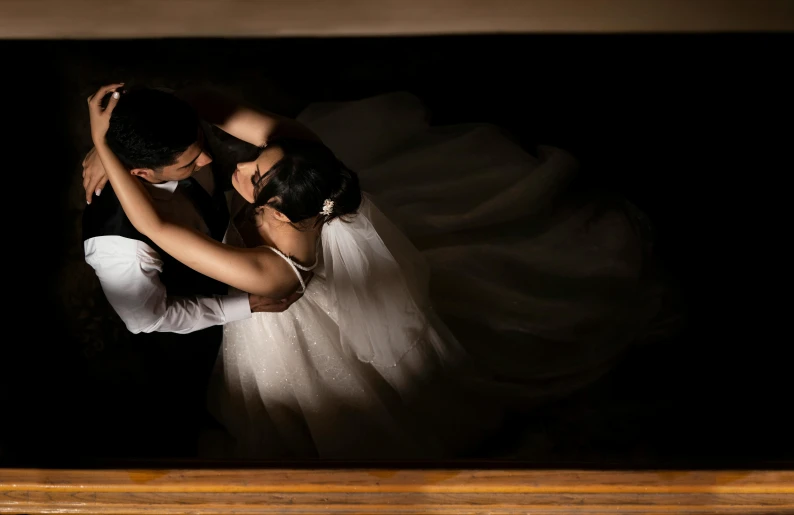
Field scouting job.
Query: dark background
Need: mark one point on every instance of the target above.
(695, 129)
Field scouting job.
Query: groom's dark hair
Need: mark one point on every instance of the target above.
(150, 128)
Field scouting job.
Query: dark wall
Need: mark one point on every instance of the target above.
(695, 129)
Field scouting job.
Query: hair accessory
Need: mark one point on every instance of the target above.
(328, 207)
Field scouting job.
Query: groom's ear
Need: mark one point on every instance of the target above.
(147, 174)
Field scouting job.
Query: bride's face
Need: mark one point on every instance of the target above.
(250, 173)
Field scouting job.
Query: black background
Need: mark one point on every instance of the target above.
(695, 129)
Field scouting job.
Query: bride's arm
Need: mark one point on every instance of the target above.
(244, 123)
(255, 271)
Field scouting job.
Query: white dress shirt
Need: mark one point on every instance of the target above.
(129, 272)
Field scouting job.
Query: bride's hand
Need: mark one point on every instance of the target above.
(100, 117)
(94, 176)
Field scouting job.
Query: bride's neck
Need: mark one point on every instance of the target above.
(297, 242)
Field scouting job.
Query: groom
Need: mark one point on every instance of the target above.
(174, 313)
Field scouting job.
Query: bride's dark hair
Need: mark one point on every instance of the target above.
(301, 181)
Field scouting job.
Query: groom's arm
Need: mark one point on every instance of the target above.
(129, 272)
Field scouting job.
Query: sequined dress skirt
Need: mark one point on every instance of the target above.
(284, 387)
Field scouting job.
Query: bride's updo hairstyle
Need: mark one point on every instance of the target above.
(301, 182)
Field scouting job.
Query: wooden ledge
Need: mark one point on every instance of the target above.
(394, 491)
(56, 19)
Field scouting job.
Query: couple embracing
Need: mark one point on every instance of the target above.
(326, 330)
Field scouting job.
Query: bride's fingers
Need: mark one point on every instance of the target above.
(99, 187)
(114, 99)
(97, 97)
(94, 186)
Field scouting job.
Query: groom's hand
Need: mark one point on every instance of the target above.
(266, 305)
(94, 176)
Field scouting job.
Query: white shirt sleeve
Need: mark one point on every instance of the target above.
(129, 272)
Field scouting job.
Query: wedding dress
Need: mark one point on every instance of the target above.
(518, 293)
(359, 368)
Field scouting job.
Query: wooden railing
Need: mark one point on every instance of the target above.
(48, 19)
(403, 491)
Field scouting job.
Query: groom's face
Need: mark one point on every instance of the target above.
(186, 164)
(191, 160)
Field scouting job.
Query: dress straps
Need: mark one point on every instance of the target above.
(295, 266)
